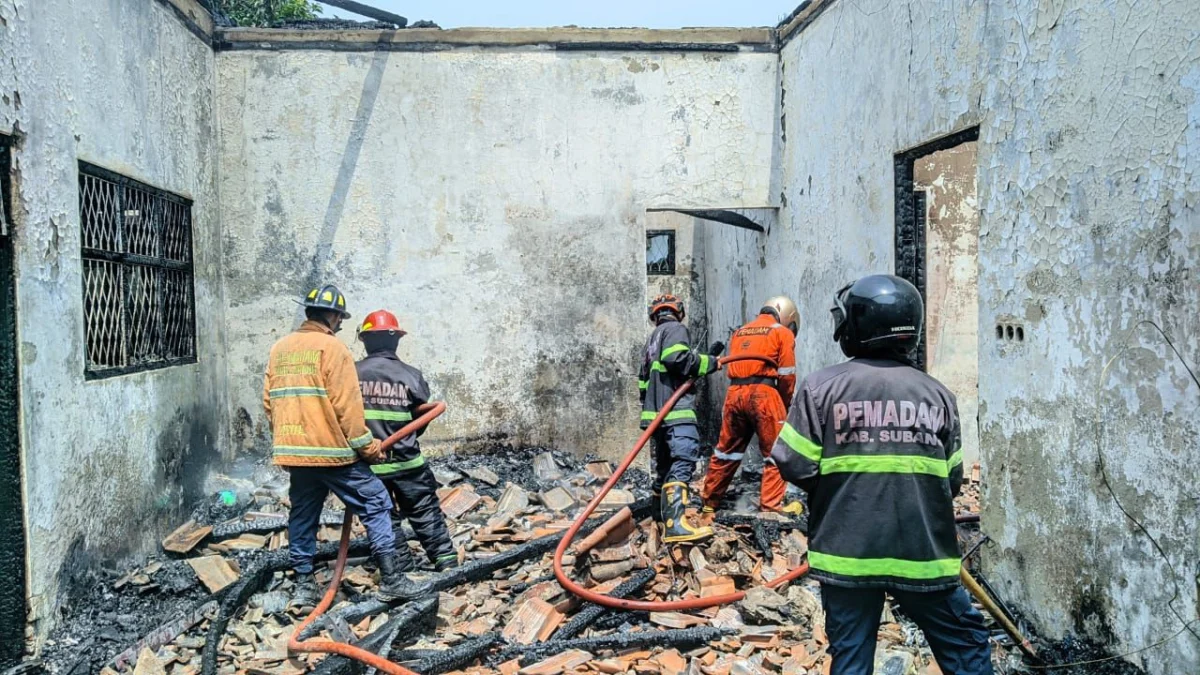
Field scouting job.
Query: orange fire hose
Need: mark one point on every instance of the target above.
(428, 411)
(642, 605)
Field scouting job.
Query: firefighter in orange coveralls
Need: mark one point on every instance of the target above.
(756, 402)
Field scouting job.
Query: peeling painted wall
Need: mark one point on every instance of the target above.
(107, 463)
(948, 178)
(494, 199)
(1088, 189)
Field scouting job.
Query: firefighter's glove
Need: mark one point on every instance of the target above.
(374, 453)
(716, 348)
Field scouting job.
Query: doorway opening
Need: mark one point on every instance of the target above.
(12, 513)
(937, 249)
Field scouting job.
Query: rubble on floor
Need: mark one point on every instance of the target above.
(218, 604)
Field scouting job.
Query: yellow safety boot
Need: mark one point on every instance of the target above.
(676, 528)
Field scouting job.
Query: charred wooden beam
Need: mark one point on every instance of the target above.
(407, 619)
(590, 613)
(682, 639)
(239, 592)
(472, 572)
(458, 657)
(368, 11)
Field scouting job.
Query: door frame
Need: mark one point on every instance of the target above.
(910, 223)
(13, 557)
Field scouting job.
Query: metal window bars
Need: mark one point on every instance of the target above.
(138, 284)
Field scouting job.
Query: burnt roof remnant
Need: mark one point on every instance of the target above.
(726, 216)
(368, 11)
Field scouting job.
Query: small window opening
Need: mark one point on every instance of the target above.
(1020, 334)
(660, 252)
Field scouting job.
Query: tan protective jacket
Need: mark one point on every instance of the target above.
(313, 401)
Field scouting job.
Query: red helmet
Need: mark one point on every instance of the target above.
(381, 320)
(668, 302)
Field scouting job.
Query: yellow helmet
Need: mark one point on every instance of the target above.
(785, 311)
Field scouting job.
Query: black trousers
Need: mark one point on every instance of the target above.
(952, 626)
(415, 495)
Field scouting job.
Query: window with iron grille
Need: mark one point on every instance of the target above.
(660, 252)
(138, 292)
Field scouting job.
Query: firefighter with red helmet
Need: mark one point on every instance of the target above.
(667, 362)
(392, 390)
(756, 403)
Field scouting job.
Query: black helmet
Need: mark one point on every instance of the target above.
(878, 313)
(327, 297)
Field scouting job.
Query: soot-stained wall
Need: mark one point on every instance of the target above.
(494, 199)
(107, 463)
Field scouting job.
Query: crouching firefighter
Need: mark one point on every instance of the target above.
(756, 403)
(875, 443)
(667, 363)
(315, 408)
(392, 390)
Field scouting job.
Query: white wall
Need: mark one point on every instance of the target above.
(107, 463)
(495, 199)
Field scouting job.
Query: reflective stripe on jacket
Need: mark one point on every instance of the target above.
(391, 390)
(312, 400)
(764, 336)
(668, 362)
(875, 443)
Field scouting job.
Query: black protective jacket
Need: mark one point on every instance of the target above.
(667, 362)
(875, 443)
(391, 390)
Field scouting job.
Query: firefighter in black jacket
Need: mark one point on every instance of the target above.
(668, 362)
(875, 443)
(391, 390)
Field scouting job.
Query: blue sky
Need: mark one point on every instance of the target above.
(605, 13)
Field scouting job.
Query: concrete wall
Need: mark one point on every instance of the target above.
(494, 198)
(107, 463)
(853, 90)
(948, 178)
(1089, 188)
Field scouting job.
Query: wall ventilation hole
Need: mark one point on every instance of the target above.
(1008, 331)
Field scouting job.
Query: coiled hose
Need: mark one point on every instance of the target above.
(428, 412)
(642, 605)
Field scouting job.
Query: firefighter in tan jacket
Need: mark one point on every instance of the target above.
(315, 407)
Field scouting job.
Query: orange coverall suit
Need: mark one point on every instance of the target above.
(755, 404)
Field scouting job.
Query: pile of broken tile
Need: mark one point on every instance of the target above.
(516, 619)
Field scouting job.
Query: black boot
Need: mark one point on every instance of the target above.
(656, 506)
(305, 593)
(395, 585)
(404, 559)
(676, 528)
